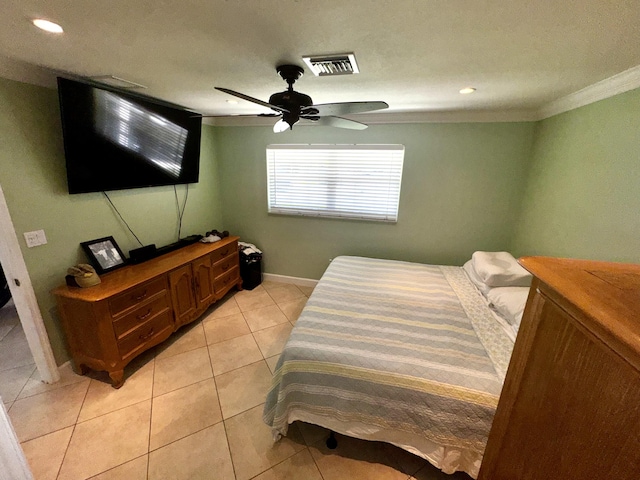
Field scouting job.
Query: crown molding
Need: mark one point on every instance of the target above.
(239, 121)
(450, 116)
(23, 72)
(609, 87)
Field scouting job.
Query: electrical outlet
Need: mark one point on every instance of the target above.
(35, 238)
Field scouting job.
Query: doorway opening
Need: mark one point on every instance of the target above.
(23, 325)
(17, 366)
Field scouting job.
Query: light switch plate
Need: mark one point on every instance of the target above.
(42, 238)
(35, 238)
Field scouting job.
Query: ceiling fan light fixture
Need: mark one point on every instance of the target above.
(467, 90)
(281, 126)
(47, 25)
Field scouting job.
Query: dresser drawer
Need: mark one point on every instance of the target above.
(133, 297)
(225, 251)
(155, 305)
(225, 265)
(226, 279)
(145, 333)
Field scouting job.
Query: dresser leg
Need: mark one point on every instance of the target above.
(80, 369)
(332, 441)
(117, 378)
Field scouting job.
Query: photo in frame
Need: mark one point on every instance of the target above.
(104, 254)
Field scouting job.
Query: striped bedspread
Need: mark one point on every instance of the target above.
(394, 351)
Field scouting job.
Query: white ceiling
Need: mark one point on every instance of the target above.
(413, 54)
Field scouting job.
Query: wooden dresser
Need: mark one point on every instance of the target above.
(570, 406)
(139, 306)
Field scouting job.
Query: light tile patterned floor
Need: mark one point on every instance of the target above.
(189, 409)
(16, 362)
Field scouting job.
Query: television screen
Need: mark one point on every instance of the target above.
(115, 140)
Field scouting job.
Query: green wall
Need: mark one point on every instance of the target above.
(461, 191)
(583, 195)
(33, 178)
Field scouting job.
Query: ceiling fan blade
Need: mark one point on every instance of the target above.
(331, 121)
(251, 99)
(281, 126)
(345, 108)
(251, 115)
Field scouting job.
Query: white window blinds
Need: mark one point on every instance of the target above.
(347, 181)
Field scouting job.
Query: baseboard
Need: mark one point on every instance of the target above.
(60, 368)
(303, 282)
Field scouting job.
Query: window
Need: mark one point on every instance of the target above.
(346, 181)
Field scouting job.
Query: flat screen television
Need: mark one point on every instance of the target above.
(115, 140)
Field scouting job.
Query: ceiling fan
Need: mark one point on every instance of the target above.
(292, 105)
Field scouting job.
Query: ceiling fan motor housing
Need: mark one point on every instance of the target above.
(292, 101)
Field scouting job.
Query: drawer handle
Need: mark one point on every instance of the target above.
(141, 296)
(148, 335)
(145, 315)
(224, 253)
(225, 267)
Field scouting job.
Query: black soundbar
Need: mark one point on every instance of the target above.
(183, 242)
(142, 254)
(148, 252)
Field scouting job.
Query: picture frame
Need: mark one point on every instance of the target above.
(104, 254)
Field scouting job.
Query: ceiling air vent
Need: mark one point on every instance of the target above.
(340, 64)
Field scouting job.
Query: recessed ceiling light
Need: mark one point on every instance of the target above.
(232, 101)
(47, 26)
(467, 90)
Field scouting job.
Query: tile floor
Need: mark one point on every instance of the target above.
(16, 361)
(189, 409)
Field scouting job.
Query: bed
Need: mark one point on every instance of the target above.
(400, 352)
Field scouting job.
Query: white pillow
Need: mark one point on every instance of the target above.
(509, 302)
(475, 279)
(500, 269)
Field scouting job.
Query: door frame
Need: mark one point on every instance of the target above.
(24, 297)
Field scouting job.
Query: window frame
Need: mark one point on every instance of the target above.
(338, 192)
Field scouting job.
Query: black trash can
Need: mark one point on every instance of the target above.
(250, 265)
